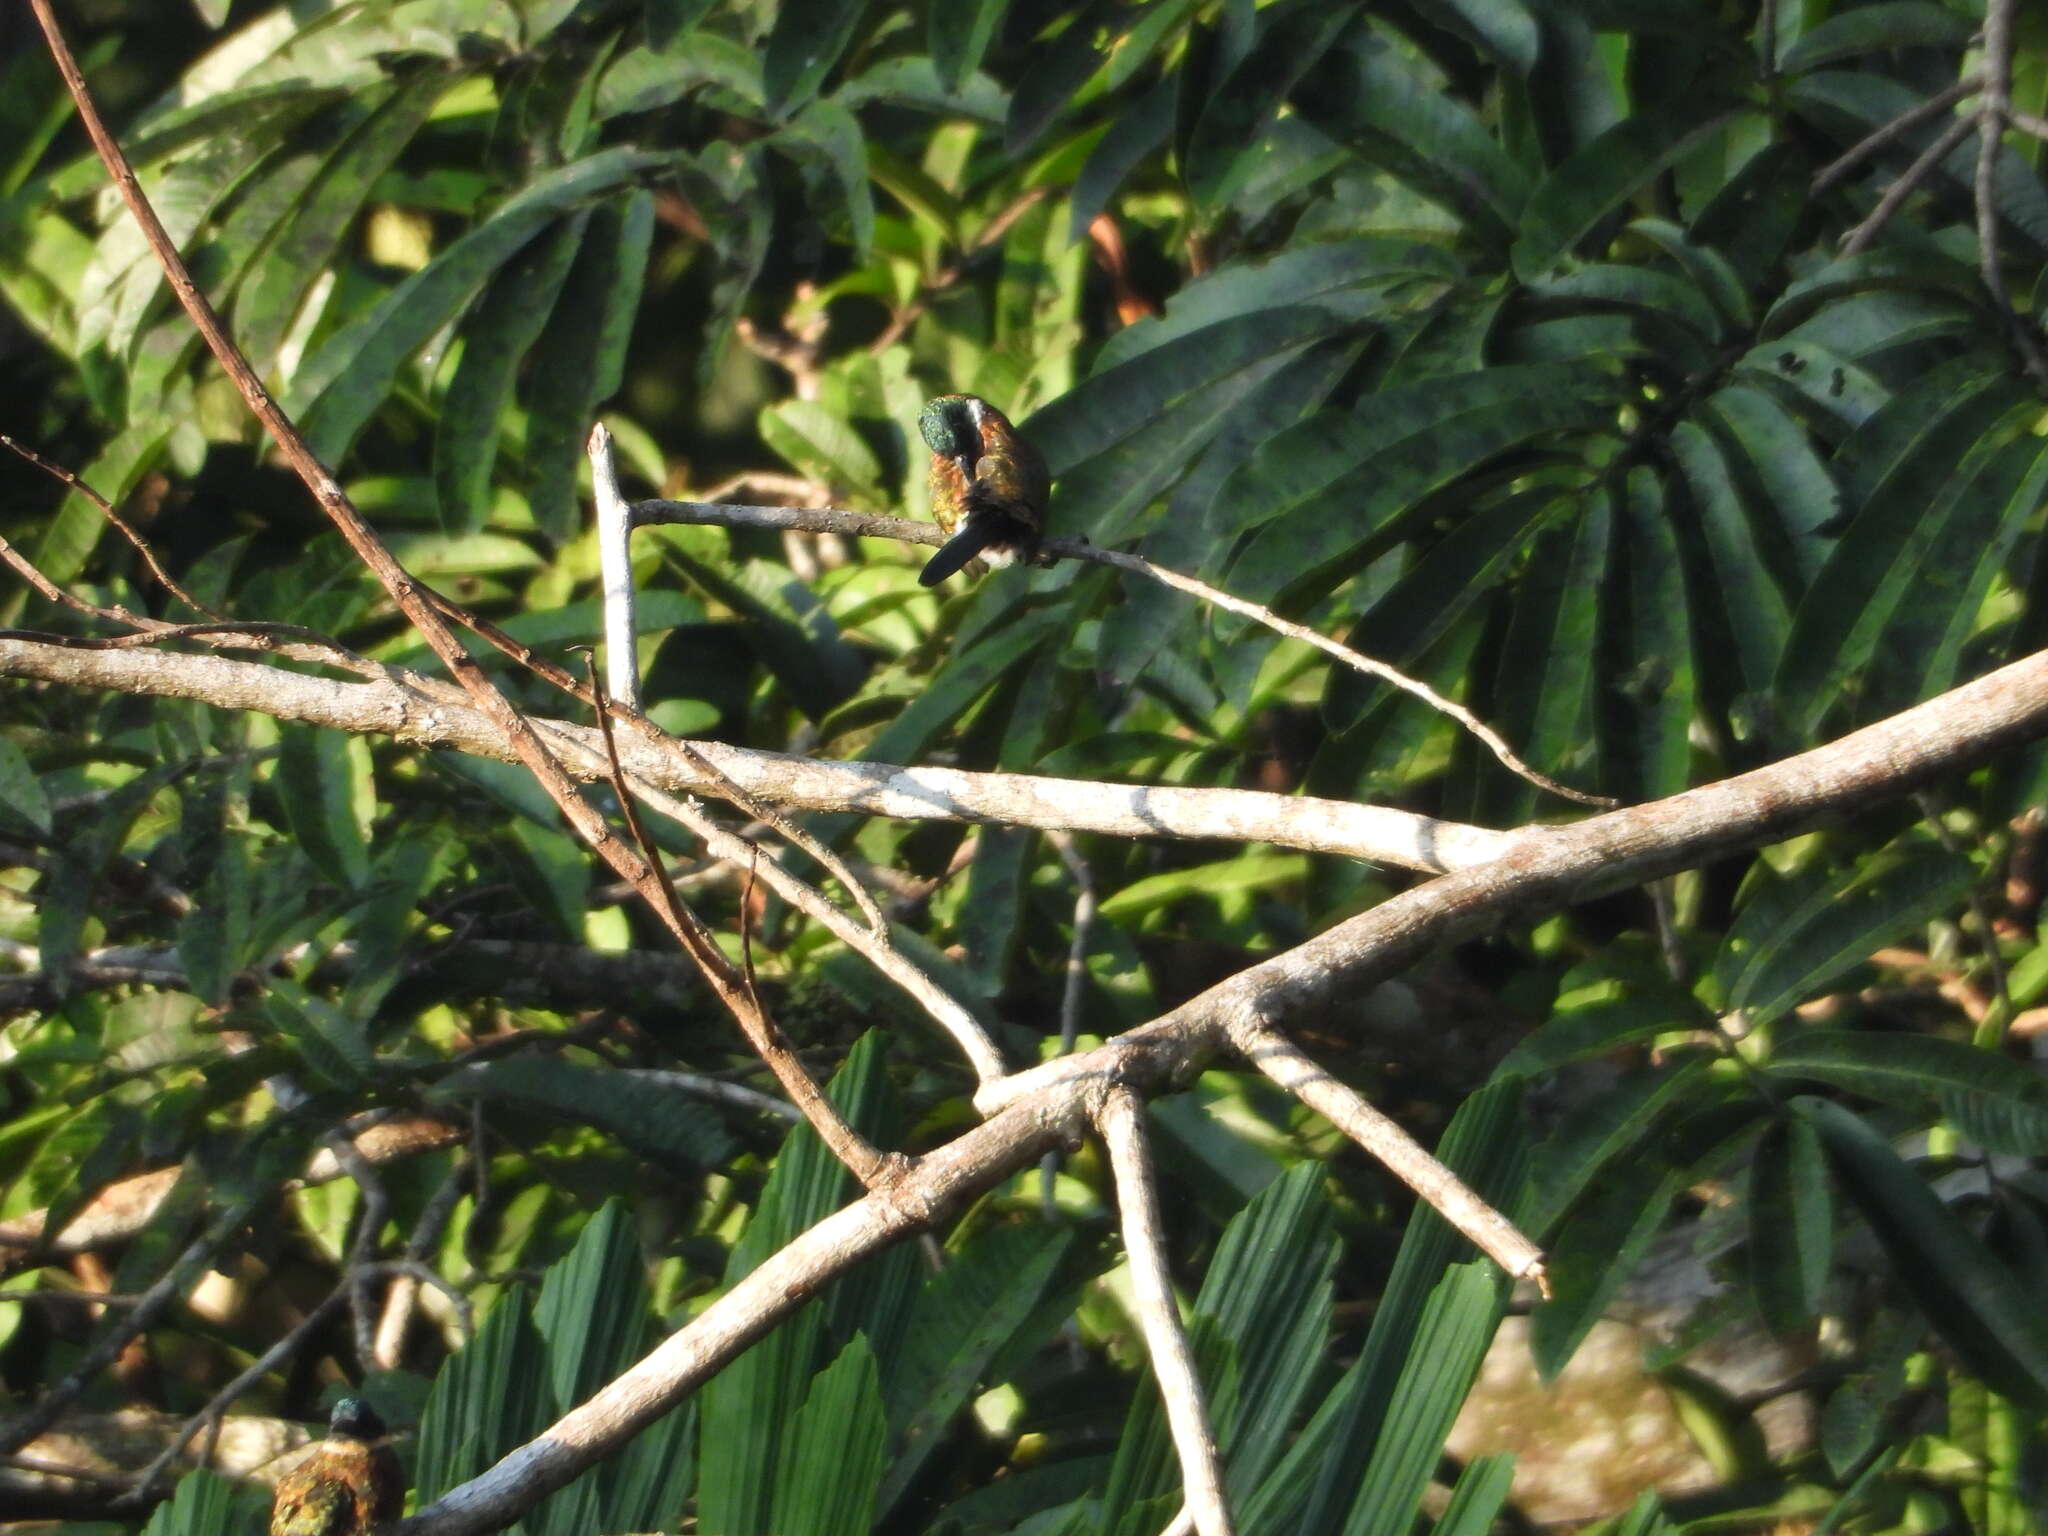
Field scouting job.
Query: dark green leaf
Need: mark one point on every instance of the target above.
(809, 37)
(324, 779)
(958, 36)
(581, 355)
(1791, 1224)
(1970, 1297)
(1777, 955)
(641, 1111)
(506, 323)
(1877, 28)
(343, 383)
(1598, 179)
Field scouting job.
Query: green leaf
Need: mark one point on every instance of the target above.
(809, 37)
(823, 445)
(748, 1407)
(1596, 1251)
(581, 355)
(1907, 1069)
(1545, 684)
(655, 1120)
(966, 676)
(499, 333)
(1476, 1500)
(1791, 1224)
(1484, 1146)
(1596, 180)
(958, 36)
(1760, 441)
(21, 792)
(206, 1504)
(828, 134)
(1238, 110)
(832, 1464)
(1646, 663)
(1780, 952)
(1120, 398)
(1590, 1143)
(306, 243)
(1752, 617)
(1244, 872)
(1403, 445)
(1407, 121)
(1456, 1325)
(323, 778)
(963, 1315)
(486, 1400)
(1060, 69)
(1878, 28)
(342, 384)
(1972, 1299)
(333, 1044)
(668, 20)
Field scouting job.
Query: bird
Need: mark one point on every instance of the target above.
(347, 1486)
(989, 487)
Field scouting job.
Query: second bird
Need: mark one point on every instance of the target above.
(989, 487)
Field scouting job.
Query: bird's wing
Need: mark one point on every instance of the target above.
(313, 1506)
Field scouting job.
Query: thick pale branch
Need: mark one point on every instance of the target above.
(1379, 833)
(1121, 1121)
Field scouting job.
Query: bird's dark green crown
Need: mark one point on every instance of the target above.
(354, 1419)
(947, 424)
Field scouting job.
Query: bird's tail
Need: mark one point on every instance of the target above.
(975, 536)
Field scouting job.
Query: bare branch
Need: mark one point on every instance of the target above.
(1492, 1233)
(1908, 182)
(400, 708)
(1122, 1123)
(121, 525)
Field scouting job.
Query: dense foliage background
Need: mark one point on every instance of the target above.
(1515, 341)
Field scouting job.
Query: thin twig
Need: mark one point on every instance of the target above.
(142, 548)
(910, 531)
(1453, 1199)
(1994, 110)
(735, 990)
(1903, 124)
(1121, 1120)
(1909, 180)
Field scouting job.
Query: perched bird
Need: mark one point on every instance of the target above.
(348, 1485)
(989, 487)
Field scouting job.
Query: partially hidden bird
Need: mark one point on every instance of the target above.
(989, 486)
(347, 1486)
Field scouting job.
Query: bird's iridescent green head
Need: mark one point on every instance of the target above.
(354, 1419)
(947, 425)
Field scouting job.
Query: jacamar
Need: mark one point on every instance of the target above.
(348, 1485)
(987, 483)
